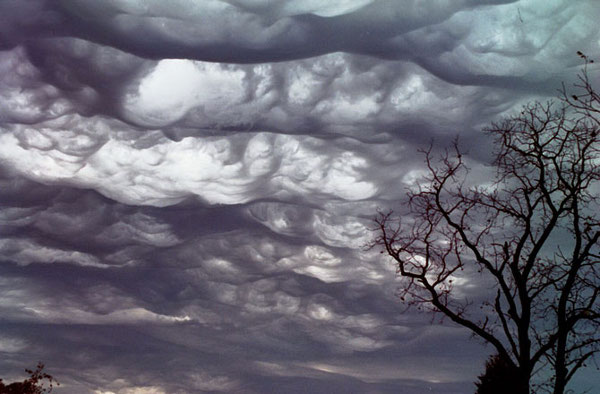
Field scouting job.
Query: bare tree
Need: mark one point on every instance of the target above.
(530, 235)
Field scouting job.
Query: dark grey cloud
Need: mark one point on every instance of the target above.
(233, 31)
(186, 188)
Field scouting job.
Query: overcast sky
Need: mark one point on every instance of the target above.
(186, 186)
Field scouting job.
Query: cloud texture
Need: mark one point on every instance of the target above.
(186, 186)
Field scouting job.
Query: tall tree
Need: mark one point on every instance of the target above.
(531, 235)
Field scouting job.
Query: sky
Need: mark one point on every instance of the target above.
(187, 186)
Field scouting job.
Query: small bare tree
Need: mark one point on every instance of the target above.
(531, 236)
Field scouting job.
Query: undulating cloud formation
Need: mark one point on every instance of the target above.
(186, 186)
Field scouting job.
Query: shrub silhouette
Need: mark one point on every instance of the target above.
(32, 385)
(498, 378)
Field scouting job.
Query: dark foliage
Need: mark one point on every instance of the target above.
(498, 378)
(32, 385)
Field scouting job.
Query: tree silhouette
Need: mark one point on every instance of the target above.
(32, 385)
(498, 377)
(530, 236)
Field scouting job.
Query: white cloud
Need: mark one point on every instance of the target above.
(175, 86)
(135, 390)
(12, 344)
(210, 168)
(24, 252)
(132, 316)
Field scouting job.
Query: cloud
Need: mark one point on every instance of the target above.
(11, 344)
(126, 316)
(176, 86)
(226, 170)
(26, 252)
(136, 390)
(186, 189)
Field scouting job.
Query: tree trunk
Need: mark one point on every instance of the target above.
(523, 382)
(561, 379)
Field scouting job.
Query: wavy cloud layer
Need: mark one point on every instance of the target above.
(186, 187)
